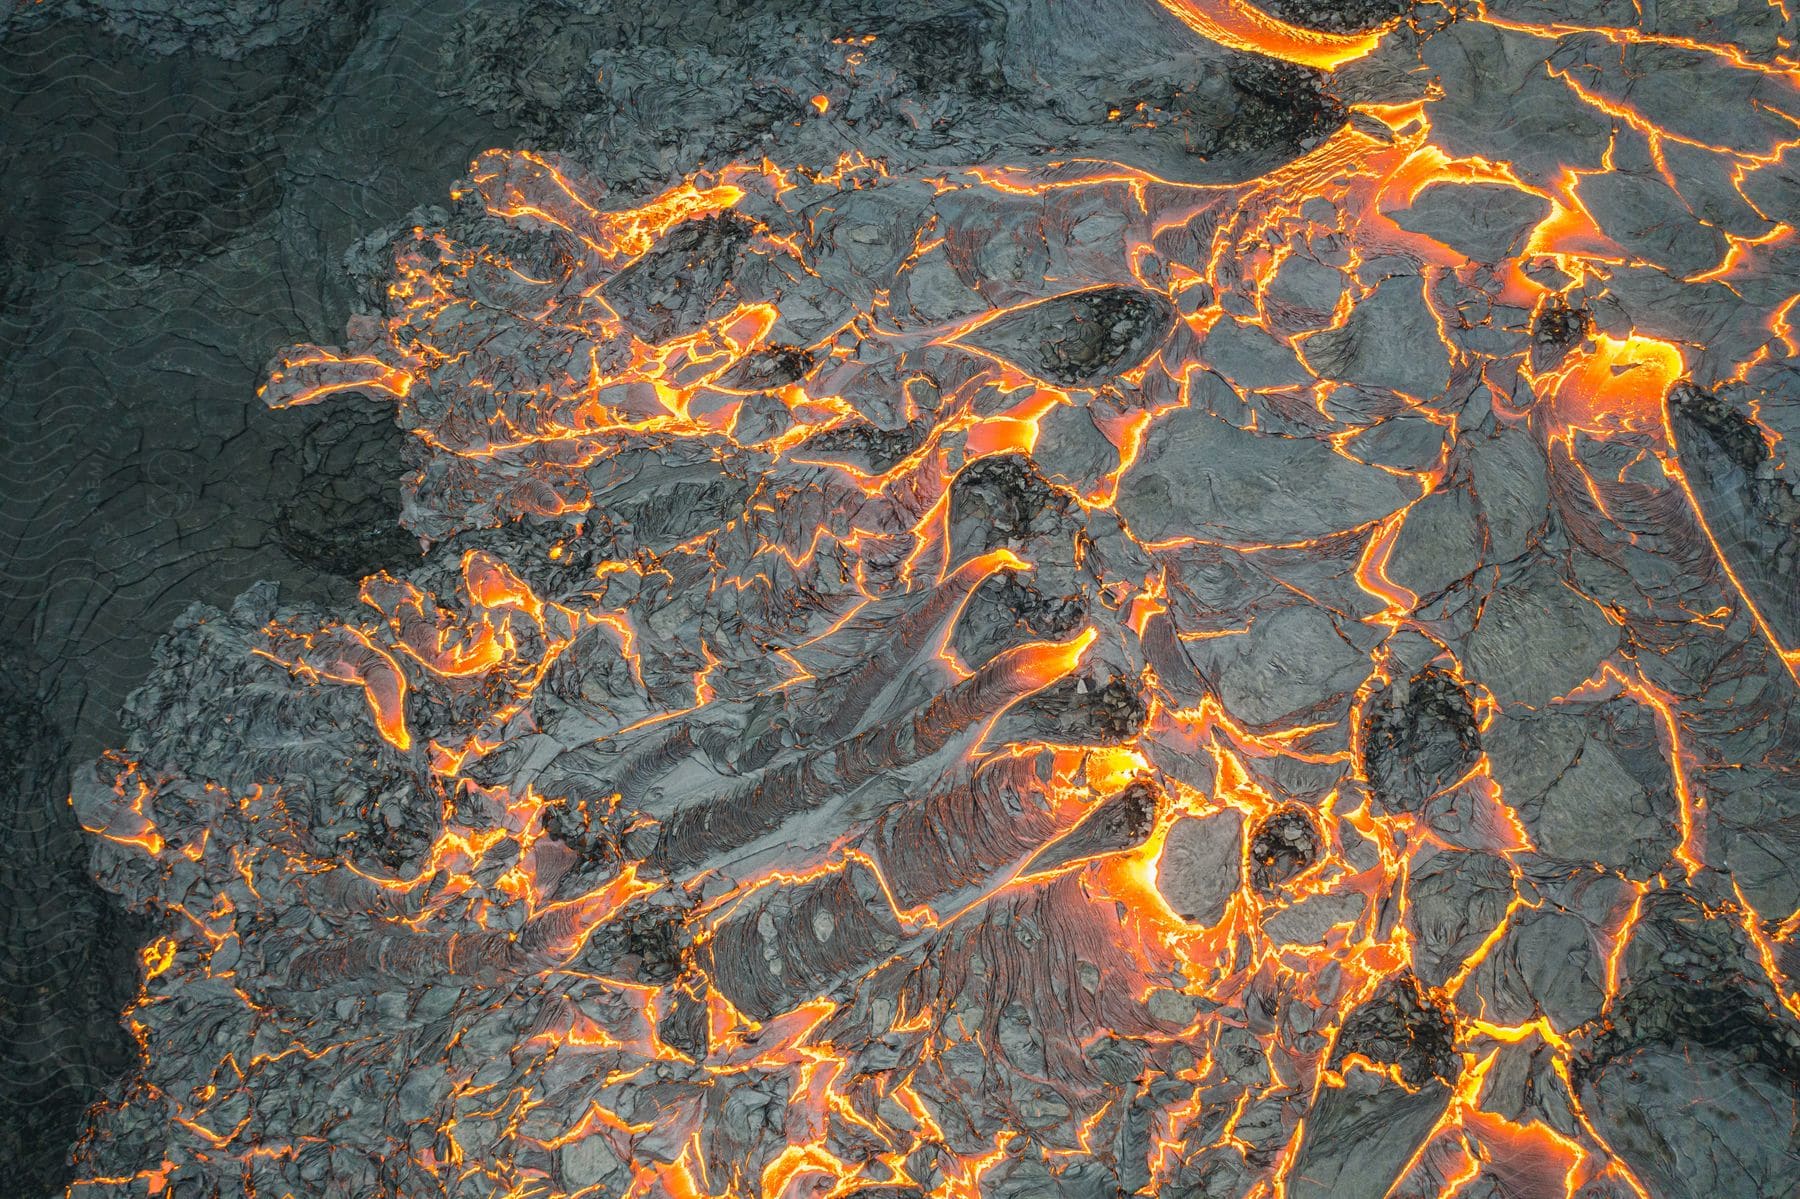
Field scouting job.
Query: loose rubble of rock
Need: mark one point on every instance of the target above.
(1023, 677)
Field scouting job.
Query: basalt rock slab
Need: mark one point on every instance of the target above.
(1201, 866)
(1747, 504)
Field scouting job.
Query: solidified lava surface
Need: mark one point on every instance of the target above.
(1031, 677)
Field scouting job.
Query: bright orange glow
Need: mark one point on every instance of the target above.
(1243, 26)
(916, 682)
(1616, 386)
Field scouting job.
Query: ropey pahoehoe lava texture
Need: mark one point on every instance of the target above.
(1035, 678)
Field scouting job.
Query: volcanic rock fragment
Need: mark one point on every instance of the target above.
(1199, 475)
(1749, 508)
(938, 844)
(1284, 846)
(1391, 340)
(1691, 1060)
(1201, 865)
(1485, 222)
(671, 289)
(1439, 547)
(1419, 736)
(1535, 618)
(1593, 785)
(1546, 963)
(1455, 901)
(1364, 1132)
(1120, 822)
(1493, 103)
(1645, 216)
(1079, 339)
(1508, 480)
(843, 926)
(1008, 609)
(1291, 664)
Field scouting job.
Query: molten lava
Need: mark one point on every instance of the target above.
(1032, 677)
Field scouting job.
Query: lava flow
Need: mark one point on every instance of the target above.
(1033, 680)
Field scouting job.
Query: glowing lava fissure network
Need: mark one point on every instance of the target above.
(1023, 681)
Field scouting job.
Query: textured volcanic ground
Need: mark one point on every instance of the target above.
(1170, 599)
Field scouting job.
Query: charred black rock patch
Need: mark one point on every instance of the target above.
(1401, 1026)
(670, 289)
(1251, 110)
(878, 450)
(1695, 1054)
(1284, 847)
(1281, 106)
(952, 52)
(1007, 610)
(1730, 431)
(396, 819)
(1118, 823)
(1079, 339)
(1336, 16)
(774, 365)
(644, 944)
(1004, 499)
(528, 62)
(1126, 819)
(1418, 738)
(584, 825)
(1712, 1014)
(351, 548)
(1076, 710)
(1559, 325)
(1692, 1082)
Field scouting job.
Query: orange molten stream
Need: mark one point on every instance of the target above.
(450, 679)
